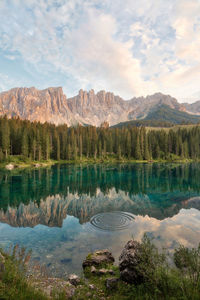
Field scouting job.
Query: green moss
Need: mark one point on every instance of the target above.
(89, 256)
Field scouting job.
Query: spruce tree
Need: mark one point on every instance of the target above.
(146, 148)
(5, 137)
(57, 147)
(80, 147)
(138, 155)
(119, 152)
(25, 146)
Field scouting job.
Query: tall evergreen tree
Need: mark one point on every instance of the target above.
(25, 146)
(5, 136)
(146, 148)
(138, 155)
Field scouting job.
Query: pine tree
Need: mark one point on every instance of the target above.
(47, 147)
(34, 149)
(5, 137)
(146, 148)
(74, 151)
(128, 144)
(57, 147)
(68, 156)
(138, 155)
(25, 146)
(39, 152)
(100, 149)
(119, 152)
(157, 151)
(1, 155)
(80, 147)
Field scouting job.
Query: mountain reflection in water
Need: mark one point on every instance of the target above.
(161, 199)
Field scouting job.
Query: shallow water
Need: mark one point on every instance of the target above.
(64, 212)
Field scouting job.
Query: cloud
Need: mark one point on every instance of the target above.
(131, 48)
(182, 228)
(101, 59)
(10, 57)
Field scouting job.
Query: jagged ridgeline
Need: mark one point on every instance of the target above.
(88, 107)
(36, 141)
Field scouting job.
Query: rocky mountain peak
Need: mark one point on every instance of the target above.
(52, 105)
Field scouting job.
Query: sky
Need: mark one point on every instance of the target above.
(130, 47)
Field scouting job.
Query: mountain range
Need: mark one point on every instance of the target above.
(52, 105)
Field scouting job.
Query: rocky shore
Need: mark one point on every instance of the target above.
(142, 273)
(100, 275)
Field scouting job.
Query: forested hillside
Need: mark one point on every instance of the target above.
(145, 123)
(167, 114)
(38, 141)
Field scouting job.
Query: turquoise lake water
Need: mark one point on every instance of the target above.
(66, 211)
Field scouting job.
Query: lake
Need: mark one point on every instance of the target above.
(64, 212)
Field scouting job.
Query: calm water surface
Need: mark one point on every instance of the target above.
(64, 212)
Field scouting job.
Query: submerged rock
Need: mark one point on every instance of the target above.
(98, 258)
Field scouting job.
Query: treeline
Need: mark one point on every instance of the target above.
(46, 141)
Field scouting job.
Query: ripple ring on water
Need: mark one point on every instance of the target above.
(112, 221)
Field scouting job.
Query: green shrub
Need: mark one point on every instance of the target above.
(13, 284)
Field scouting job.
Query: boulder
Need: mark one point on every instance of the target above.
(91, 287)
(111, 283)
(98, 258)
(2, 264)
(105, 271)
(37, 165)
(93, 270)
(74, 279)
(9, 167)
(128, 262)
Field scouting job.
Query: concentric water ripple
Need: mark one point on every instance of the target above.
(112, 221)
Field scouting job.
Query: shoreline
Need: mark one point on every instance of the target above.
(13, 164)
(142, 272)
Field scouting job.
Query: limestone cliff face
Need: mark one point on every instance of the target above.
(51, 105)
(91, 108)
(47, 105)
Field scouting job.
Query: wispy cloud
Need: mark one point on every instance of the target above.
(132, 48)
